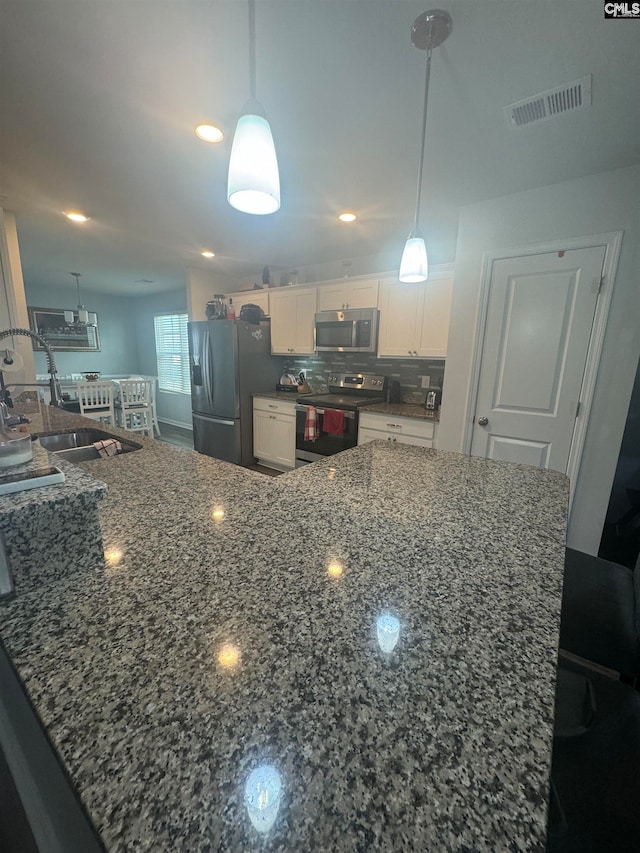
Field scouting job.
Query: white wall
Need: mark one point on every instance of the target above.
(202, 286)
(593, 205)
(172, 407)
(116, 327)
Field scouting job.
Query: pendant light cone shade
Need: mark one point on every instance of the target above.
(414, 265)
(429, 30)
(254, 181)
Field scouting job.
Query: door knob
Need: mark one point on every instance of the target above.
(483, 421)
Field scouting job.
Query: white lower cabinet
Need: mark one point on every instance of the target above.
(394, 429)
(274, 433)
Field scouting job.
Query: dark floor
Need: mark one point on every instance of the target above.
(620, 543)
(597, 776)
(262, 469)
(176, 435)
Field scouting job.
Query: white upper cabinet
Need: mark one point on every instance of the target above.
(342, 294)
(414, 318)
(398, 318)
(432, 332)
(292, 313)
(250, 297)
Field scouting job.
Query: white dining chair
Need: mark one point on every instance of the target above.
(154, 386)
(154, 389)
(96, 400)
(134, 407)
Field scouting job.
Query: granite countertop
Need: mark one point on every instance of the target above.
(242, 621)
(403, 410)
(288, 397)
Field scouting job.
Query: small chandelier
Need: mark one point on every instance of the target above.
(80, 317)
(254, 181)
(428, 31)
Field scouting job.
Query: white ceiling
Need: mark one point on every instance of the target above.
(98, 100)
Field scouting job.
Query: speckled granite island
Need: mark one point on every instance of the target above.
(378, 630)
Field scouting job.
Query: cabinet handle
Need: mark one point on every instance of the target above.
(394, 426)
(272, 406)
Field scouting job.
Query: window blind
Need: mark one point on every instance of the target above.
(172, 352)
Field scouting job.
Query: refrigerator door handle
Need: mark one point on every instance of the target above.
(208, 418)
(206, 359)
(196, 371)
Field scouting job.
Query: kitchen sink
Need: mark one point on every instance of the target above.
(77, 445)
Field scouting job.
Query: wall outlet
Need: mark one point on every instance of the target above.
(426, 381)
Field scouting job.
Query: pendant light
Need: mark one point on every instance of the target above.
(254, 182)
(428, 31)
(81, 317)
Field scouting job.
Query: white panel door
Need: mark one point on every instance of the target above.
(539, 320)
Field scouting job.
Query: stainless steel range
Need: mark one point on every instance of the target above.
(335, 419)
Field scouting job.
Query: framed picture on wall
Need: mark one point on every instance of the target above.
(51, 325)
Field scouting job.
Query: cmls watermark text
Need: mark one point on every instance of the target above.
(622, 10)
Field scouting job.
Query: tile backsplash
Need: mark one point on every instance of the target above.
(409, 372)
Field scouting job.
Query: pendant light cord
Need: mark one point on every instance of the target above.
(252, 48)
(424, 134)
(77, 275)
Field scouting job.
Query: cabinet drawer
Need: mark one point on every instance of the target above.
(275, 407)
(365, 435)
(398, 426)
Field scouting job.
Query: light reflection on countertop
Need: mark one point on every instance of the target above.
(262, 796)
(387, 631)
(335, 568)
(229, 656)
(218, 513)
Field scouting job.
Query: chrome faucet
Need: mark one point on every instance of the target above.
(9, 421)
(54, 385)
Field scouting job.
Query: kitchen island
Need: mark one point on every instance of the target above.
(379, 629)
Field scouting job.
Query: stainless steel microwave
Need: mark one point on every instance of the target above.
(347, 331)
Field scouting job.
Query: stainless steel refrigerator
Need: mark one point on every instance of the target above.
(230, 360)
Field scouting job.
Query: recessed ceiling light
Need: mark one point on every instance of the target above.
(208, 254)
(75, 216)
(347, 217)
(209, 133)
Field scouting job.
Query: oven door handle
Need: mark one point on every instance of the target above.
(350, 415)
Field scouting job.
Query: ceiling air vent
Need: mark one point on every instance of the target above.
(546, 105)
